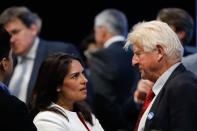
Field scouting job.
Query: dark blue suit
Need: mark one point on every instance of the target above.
(113, 79)
(175, 108)
(13, 113)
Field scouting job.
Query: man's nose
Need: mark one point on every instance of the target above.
(12, 39)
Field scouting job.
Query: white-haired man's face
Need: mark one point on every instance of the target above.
(146, 62)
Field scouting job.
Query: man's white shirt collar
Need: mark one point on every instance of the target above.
(113, 39)
(32, 52)
(163, 78)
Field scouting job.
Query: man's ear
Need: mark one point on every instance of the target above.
(181, 35)
(4, 64)
(34, 29)
(160, 51)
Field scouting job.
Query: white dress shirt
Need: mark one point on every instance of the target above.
(23, 75)
(156, 89)
(113, 39)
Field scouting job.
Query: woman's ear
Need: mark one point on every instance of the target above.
(160, 52)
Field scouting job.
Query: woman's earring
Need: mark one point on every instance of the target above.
(58, 90)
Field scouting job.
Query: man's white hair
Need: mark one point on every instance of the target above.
(150, 34)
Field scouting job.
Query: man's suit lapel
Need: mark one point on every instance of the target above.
(40, 54)
(153, 111)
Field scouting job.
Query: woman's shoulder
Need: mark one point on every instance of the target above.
(50, 121)
(47, 115)
(51, 115)
(94, 119)
(96, 124)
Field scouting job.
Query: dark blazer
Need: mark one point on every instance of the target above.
(44, 49)
(113, 79)
(13, 114)
(175, 108)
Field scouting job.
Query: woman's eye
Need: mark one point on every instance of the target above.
(75, 76)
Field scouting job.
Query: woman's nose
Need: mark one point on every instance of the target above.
(84, 79)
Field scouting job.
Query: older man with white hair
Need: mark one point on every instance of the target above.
(157, 54)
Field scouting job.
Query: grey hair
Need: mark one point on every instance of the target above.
(150, 34)
(23, 13)
(115, 21)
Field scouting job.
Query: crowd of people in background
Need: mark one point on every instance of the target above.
(143, 79)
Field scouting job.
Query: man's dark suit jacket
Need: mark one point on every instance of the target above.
(175, 108)
(112, 78)
(13, 114)
(45, 48)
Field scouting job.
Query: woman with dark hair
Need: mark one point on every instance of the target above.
(57, 99)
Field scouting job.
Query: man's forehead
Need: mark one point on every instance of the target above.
(137, 47)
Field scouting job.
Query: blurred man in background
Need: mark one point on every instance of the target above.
(111, 74)
(28, 49)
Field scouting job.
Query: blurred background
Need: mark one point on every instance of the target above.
(71, 21)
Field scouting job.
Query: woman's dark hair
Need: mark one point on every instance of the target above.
(50, 77)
